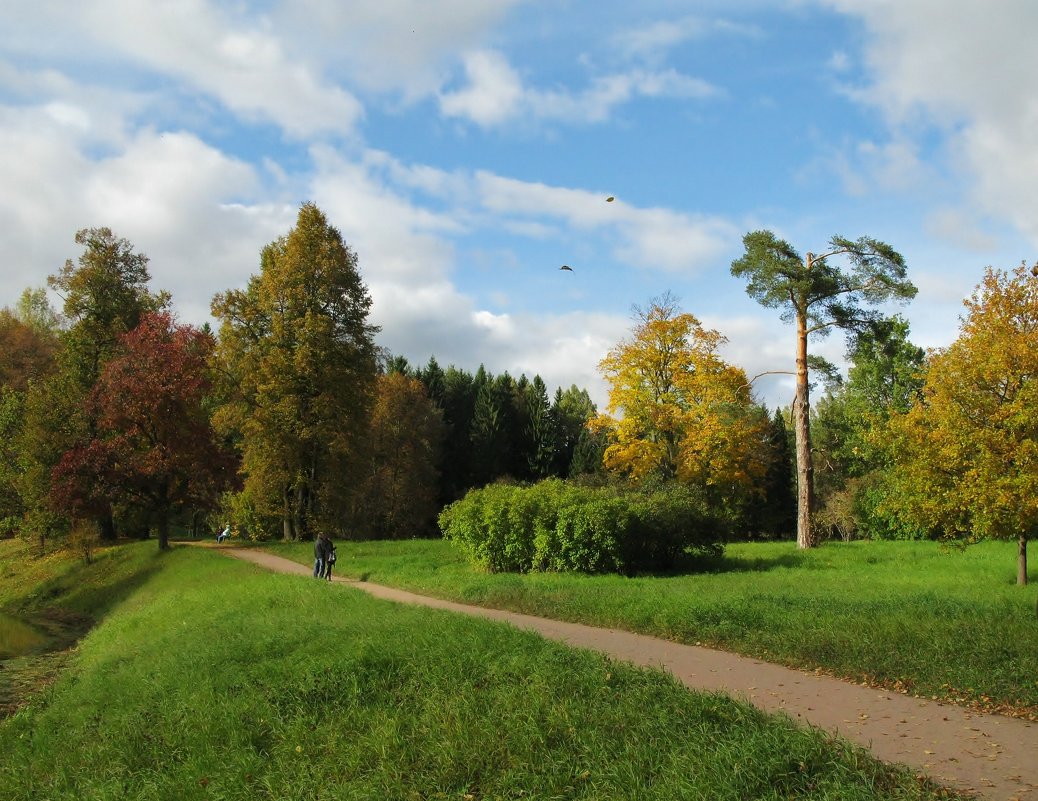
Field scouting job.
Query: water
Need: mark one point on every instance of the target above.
(18, 638)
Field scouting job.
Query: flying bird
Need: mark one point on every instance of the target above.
(610, 199)
(566, 267)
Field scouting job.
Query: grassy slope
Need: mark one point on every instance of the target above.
(918, 617)
(213, 679)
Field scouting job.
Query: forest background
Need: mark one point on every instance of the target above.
(290, 420)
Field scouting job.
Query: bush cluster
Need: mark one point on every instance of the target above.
(556, 525)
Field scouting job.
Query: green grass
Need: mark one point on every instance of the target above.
(214, 679)
(923, 618)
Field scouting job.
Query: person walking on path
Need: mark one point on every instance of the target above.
(329, 560)
(322, 552)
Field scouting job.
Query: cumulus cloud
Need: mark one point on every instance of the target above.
(236, 60)
(970, 74)
(495, 93)
(405, 46)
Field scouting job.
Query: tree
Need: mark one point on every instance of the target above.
(968, 451)
(817, 295)
(105, 295)
(572, 410)
(684, 412)
(399, 493)
(774, 516)
(155, 450)
(848, 427)
(26, 353)
(299, 356)
(541, 430)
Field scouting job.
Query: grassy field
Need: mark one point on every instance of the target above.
(931, 620)
(208, 678)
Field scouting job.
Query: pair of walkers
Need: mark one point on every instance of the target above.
(324, 557)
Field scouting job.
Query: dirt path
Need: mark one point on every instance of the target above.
(993, 756)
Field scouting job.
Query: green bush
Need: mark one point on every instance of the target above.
(557, 526)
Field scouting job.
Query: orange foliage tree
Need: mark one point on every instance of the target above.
(677, 410)
(967, 454)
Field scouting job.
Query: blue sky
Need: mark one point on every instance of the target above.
(465, 149)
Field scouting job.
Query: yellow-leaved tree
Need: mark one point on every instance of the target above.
(677, 410)
(967, 453)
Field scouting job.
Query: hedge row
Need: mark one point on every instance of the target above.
(556, 526)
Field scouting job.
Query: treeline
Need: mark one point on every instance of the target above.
(116, 420)
(289, 420)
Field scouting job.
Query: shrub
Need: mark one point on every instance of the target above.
(555, 525)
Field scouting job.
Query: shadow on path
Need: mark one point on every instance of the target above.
(993, 756)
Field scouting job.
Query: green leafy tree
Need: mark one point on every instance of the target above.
(968, 451)
(849, 428)
(774, 516)
(541, 430)
(105, 294)
(572, 410)
(298, 349)
(817, 295)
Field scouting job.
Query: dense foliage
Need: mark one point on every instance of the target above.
(557, 526)
(967, 462)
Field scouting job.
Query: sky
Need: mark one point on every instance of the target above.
(465, 150)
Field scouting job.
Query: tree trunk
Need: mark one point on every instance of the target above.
(1021, 561)
(163, 529)
(286, 514)
(107, 527)
(802, 428)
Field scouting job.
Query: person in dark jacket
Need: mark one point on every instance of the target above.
(322, 551)
(329, 560)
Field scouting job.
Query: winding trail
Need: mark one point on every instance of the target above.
(993, 756)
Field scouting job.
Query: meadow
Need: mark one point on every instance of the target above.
(924, 618)
(208, 678)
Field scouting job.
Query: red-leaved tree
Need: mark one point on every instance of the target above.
(154, 450)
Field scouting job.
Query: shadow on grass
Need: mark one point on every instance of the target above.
(699, 564)
(87, 592)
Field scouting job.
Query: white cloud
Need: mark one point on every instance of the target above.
(970, 73)
(237, 60)
(495, 94)
(390, 45)
(653, 41)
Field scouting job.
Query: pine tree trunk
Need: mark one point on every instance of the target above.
(802, 428)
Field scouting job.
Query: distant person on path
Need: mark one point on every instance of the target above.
(329, 560)
(225, 533)
(322, 552)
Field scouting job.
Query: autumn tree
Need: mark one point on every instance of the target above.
(677, 410)
(399, 490)
(105, 294)
(154, 450)
(299, 355)
(817, 295)
(968, 451)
